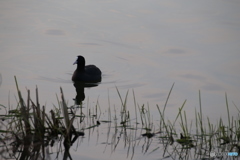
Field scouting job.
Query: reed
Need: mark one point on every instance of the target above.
(29, 124)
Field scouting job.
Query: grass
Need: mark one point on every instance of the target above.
(32, 129)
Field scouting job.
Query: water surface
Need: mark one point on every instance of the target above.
(142, 45)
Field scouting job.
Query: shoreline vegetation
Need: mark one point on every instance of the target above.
(27, 131)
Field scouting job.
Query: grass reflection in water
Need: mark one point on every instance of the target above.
(28, 132)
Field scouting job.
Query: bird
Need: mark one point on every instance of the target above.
(87, 74)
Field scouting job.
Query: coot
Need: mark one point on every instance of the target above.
(88, 73)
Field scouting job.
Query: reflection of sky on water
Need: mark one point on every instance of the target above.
(141, 45)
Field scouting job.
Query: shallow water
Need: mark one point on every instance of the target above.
(144, 45)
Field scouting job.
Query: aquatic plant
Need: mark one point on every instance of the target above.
(29, 129)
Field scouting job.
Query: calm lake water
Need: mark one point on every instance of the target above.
(144, 46)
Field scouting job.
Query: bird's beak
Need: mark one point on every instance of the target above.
(75, 62)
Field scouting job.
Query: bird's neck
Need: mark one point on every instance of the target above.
(80, 67)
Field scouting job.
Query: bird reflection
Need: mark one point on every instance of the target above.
(79, 86)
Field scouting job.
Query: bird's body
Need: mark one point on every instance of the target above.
(88, 73)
